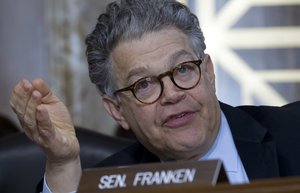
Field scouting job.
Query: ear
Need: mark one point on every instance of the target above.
(113, 108)
(209, 70)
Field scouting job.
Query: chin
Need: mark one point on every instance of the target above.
(188, 141)
(191, 155)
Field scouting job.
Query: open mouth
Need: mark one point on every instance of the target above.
(179, 119)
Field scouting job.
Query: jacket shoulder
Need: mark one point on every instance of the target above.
(282, 116)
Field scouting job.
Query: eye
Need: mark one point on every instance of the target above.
(145, 85)
(142, 84)
(184, 69)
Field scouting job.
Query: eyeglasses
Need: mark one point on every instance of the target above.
(148, 90)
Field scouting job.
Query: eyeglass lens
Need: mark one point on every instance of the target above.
(185, 76)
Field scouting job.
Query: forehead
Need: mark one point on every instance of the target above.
(150, 53)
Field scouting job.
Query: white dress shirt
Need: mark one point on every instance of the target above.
(46, 189)
(225, 150)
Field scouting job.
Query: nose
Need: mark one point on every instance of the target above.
(171, 94)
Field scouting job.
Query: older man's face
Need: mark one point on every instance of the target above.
(182, 124)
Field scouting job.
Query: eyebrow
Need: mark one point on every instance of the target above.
(177, 55)
(137, 71)
(172, 61)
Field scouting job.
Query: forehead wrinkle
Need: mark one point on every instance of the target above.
(174, 58)
(178, 55)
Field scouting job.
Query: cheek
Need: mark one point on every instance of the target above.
(143, 125)
(203, 97)
(207, 104)
(141, 119)
(204, 93)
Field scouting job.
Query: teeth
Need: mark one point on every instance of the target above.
(179, 116)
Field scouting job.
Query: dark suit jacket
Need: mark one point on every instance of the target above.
(267, 139)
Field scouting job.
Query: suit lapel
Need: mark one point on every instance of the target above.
(254, 144)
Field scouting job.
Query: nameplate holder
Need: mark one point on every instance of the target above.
(134, 178)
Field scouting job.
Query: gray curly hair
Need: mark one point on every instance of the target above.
(130, 19)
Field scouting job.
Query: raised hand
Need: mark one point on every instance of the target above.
(47, 122)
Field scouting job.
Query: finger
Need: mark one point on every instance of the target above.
(20, 97)
(47, 96)
(29, 120)
(44, 125)
(41, 86)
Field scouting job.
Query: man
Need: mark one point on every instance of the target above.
(148, 60)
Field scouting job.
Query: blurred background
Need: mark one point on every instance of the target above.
(255, 45)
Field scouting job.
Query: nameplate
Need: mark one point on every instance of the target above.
(140, 177)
